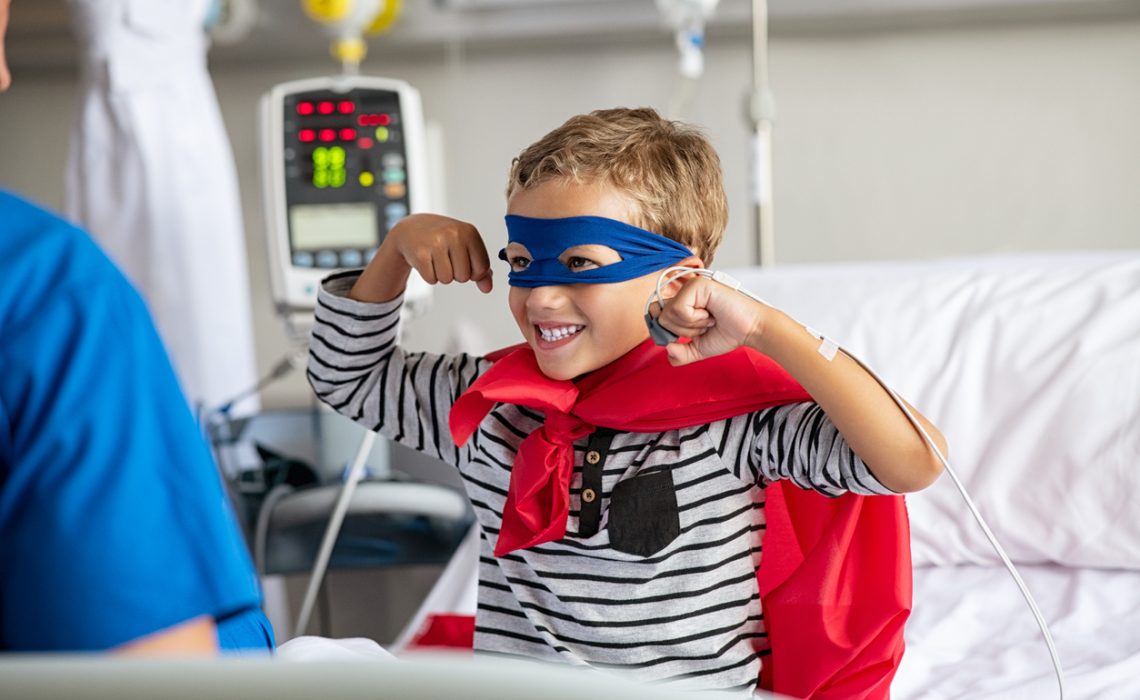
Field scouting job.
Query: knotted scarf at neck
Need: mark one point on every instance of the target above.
(639, 392)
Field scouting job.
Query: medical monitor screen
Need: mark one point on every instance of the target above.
(344, 158)
(333, 235)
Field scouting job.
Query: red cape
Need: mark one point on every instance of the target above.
(835, 584)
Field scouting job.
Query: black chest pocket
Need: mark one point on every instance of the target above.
(643, 514)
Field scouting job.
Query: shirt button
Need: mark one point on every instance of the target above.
(593, 457)
(588, 495)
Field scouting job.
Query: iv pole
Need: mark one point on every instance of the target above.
(761, 112)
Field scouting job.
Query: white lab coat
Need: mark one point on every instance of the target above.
(151, 175)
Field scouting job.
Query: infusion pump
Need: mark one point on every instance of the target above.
(342, 162)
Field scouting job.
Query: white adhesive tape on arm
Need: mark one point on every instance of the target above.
(827, 346)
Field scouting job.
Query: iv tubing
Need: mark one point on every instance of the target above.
(332, 530)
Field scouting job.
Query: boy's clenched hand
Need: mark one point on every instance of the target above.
(441, 249)
(716, 318)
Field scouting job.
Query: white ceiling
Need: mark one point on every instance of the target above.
(40, 33)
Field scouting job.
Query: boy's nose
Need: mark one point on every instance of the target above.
(550, 296)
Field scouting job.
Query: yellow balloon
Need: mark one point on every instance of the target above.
(327, 10)
(386, 17)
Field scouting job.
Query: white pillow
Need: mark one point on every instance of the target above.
(1030, 366)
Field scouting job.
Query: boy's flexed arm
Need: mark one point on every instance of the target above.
(719, 319)
(441, 249)
(355, 364)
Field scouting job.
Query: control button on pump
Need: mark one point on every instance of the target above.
(394, 190)
(327, 258)
(396, 210)
(392, 160)
(395, 175)
(350, 258)
(302, 259)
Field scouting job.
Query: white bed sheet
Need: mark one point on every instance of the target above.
(971, 635)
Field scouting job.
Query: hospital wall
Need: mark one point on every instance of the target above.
(925, 143)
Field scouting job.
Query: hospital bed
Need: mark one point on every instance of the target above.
(1030, 365)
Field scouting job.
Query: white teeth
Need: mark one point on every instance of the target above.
(559, 333)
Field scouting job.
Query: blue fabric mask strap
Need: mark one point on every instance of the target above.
(642, 252)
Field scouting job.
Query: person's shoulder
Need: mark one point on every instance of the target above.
(34, 233)
(44, 256)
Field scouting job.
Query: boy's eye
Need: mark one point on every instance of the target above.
(519, 263)
(579, 263)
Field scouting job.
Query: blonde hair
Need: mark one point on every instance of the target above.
(668, 168)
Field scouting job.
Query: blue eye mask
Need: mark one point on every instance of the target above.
(642, 252)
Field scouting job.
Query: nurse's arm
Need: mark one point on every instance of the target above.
(197, 637)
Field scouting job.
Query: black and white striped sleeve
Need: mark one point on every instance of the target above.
(357, 368)
(798, 442)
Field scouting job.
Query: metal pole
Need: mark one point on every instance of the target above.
(761, 111)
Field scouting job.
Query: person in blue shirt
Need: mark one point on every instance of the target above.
(115, 530)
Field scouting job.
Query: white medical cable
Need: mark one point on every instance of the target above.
(261, 528)
(332, 530)
(827, 349)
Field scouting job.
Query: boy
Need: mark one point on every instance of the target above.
(621, 495)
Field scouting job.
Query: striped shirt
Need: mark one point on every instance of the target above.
(656, 576)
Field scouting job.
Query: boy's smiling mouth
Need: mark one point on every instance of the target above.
(551, 335)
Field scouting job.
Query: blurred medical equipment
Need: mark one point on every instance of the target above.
(687, 20)
(231, 21)
(828, 349)
(343, 160)
(151, 175)
(761, 112)
(347, 21)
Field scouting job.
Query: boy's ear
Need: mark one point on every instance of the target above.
(673, 287)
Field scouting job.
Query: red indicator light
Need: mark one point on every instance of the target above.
(325, 107)
(304, 108)
(374, 120)
(365, 142)
(347, 134)
(346, 107)
(306, 135)
(328, 135)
